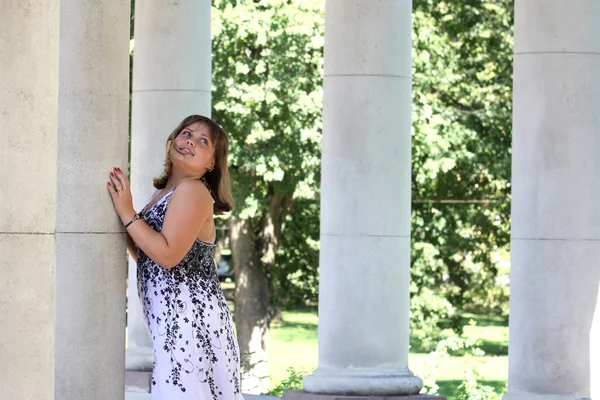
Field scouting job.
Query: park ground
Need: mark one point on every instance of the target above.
(293, 352)
(293, 344)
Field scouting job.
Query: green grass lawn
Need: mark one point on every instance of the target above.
(293, 344)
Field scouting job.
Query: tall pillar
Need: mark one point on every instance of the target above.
(171, 80)
(555, 244)
(29, 36)
(365, 201)
(595, 352)
(90, 241)
(62, 288)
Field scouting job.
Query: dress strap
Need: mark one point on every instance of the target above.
(152, 201)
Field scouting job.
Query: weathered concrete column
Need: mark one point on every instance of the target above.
(62, 266)
(171, 80)
(555, 246)
(90, 240)
(365, 201)
(29, 36)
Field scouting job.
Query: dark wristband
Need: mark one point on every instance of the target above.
(135, 218)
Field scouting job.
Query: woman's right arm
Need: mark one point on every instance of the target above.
(132, 248)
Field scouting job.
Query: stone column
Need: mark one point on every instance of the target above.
(555, 245)
(171, 80)
(365, 201)
(62, 288)
(29, 37)
(90, 240)
(595, 352)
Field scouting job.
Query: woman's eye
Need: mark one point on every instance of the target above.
(204, 141)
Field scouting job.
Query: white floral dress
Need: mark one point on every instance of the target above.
(196, 355)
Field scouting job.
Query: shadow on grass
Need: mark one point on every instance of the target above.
(491, 347)
(448, 388)
(484, 320)
(416, 345)
(292, 331)
(481, 321)
(295, 325)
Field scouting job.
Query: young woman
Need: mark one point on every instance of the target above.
(196, 354)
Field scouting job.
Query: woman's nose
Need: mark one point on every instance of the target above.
(191, 142)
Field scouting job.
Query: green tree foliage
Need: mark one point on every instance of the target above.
(462, 99)
(295, 280)
(267, 94)
(267, 79)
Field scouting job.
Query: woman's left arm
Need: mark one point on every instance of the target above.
(189, 208)
(131, 247)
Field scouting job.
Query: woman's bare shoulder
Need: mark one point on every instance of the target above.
(194, 191)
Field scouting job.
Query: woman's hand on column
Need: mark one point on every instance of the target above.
(120, 192)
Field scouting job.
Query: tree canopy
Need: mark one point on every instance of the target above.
(267, 94)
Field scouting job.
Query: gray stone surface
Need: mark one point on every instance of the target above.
(148, 396)
(555, 147)
(90, 243)
(370, 38)
(138, 381)
(172, 46)
(137, 396)
(557, 26)
(93, 115)
(365, 201)
(29, 38)
(554, 291)
(366, 163)
(28, 115)
(365, 341)
(302, 395)
(90, 317)
(27, 267)
(258, 397)
(555, 245)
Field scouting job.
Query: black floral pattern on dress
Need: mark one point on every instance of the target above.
(188, 318)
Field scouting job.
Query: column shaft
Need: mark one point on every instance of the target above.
(29, 36)
(171, 80)
(90, 241)
(555, 244)
(365, 201)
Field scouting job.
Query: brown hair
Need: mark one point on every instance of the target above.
(217, 180)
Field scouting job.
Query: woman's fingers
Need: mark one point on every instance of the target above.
(121, 177)
(118, 186)
(111, 189)
(115, 182)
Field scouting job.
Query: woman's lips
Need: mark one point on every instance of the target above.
(186, 151)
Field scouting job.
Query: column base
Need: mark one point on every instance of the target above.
(139, 359)
(520, 395)
(302, 395)
(138, 369)
(138, 381)
(363, 382)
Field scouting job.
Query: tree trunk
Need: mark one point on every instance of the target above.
(251, 306)
(253, 252)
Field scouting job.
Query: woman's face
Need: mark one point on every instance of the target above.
(193, 150)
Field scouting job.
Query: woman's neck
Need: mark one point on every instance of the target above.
(176, 178)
